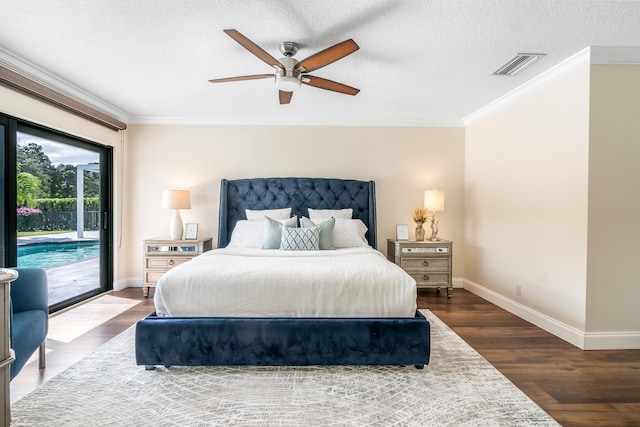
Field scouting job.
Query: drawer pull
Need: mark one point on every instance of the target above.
(425, 263)
(171, 262)
(425, 277)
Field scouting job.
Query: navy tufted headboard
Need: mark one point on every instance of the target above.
(299, 194)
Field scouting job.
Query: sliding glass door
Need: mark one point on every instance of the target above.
(7, 191)
(61, 217)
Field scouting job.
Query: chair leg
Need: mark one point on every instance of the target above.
(42, 356)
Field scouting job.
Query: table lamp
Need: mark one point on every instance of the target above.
(176, 200)
(434, 202)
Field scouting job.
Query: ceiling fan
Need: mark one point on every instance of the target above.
(290, 73)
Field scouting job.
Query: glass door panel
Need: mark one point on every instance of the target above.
(60, 210)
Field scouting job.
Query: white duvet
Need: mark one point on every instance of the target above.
(247, 282)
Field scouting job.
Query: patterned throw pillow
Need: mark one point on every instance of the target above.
(300, 239)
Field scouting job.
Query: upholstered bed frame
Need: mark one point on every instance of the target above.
(199, 341)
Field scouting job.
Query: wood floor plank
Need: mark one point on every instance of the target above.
(576, 387)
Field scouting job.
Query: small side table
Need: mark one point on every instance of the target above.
(428, 262)
(161, 254)
(6, 354)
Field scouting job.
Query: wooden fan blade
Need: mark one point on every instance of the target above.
(327, 56)
(329, 85)
(239, 78)
(254, 48)
(285, 97)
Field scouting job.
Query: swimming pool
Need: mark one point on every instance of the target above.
(45, 255)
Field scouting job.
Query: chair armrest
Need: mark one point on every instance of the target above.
(30, 290)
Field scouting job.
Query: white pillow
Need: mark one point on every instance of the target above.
(273, 231)
(319, 215)
(247, 234)
(251, 234)
(349, 233)
(326, 231)
(253, 215)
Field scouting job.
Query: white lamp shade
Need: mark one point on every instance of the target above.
(176, 199)
(434, 200)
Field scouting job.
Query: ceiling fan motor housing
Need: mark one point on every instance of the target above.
(289, 49)
(288, 80)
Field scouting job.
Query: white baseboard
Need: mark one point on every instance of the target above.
(127, 283)
(612, 341)
(559, 329)
(582, 340)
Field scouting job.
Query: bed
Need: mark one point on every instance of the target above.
(196, 340)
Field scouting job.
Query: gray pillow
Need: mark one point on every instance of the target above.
(273, 231)
(326, 231)
(300, 239)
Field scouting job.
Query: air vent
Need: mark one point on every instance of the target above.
(518, 63)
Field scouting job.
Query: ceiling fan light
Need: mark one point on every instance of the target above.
(288, 83)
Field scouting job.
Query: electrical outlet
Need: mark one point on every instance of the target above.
(519, 290)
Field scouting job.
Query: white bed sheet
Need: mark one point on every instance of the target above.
(247, 282)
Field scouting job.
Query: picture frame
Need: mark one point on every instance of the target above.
(402, 232)
(191, 231)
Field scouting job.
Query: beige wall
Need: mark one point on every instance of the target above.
(551, 205)
(614, 200)
(526, 200)
(402, 161)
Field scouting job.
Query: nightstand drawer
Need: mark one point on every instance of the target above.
(151, 277)
(425, 264)
(431, 279)
(165, 263)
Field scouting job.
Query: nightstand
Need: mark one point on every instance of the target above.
(161, 254)
(428, 262)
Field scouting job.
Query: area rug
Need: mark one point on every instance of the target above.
(458, 388)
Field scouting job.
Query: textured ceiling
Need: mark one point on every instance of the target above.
(420, 63)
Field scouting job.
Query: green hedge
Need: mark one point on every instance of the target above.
(66, 205)
(59, 214)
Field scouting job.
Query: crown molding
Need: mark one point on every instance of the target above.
(287, 121)
(555, 73)
(593, 55)
(38, 75)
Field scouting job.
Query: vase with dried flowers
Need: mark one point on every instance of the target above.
(420, 216)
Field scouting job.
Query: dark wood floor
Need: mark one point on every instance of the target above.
(578, 388)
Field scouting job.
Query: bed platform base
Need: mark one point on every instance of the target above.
(213, 341)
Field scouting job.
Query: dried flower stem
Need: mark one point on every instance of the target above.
(420, 215)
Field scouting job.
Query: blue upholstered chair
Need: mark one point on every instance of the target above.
(29, 316)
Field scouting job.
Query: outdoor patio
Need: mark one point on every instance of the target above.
(72, 279)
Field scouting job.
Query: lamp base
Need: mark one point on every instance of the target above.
(175, 229)
(434, 228)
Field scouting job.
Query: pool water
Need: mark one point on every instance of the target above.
(55, 254)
